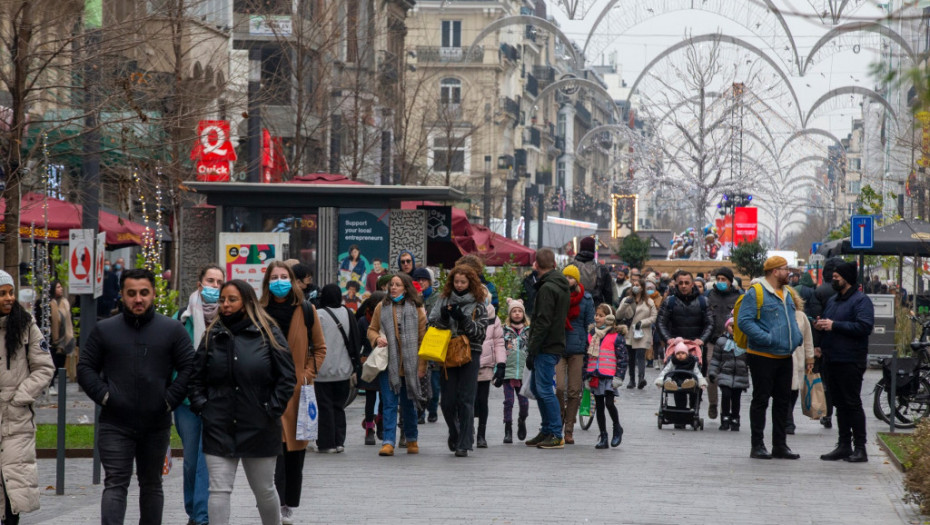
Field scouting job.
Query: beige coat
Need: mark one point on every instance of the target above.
(306, 368)
(28, 375)
(61, 305)
(803, 354)
(646, 313)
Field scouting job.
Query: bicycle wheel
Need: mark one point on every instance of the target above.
(908, 408)
(585, 410)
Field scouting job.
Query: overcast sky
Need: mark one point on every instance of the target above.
(636, 47)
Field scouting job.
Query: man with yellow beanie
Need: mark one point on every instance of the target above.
(772, 334)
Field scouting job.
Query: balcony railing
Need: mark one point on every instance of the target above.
(532, 85)
(511, 107)
(450, 54)
(449, 112)
(531, 33)
(510, 52)
(532, 138)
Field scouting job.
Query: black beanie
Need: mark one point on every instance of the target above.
(724, 271)
(848, 271)
(830, 266)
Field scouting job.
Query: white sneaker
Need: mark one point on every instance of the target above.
(287, 515)
(52, 390)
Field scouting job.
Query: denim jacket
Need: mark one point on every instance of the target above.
(775, 333)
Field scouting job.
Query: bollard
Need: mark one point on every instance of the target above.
(892, 389)
(96, 475)
(62, 425)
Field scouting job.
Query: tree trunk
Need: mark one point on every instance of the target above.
(11, 222)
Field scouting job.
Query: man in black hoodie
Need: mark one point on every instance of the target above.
(126, 367)
(814, 309)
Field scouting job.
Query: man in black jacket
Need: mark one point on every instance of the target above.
(845, 326)
(126, 367)
(814, 309)
(720, 298)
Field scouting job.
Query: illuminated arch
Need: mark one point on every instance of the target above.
(812, 131)
(577, 61)
(581, 83)
(858, 27)
(850, 90)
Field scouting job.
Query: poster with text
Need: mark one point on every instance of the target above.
(364, 245)
(245, 256)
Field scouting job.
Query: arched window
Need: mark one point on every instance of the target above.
(450, 91)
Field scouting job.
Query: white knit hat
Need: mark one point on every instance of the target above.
(6, 278)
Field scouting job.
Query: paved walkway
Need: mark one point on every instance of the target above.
(655, 476)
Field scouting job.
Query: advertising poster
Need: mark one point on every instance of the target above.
(246, 255)
(364, 246)
(438, 223)
(81, 262)
(747, 224)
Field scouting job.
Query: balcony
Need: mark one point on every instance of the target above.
(532, 137)
(532, 85)
(545, 75)
(511, 107)
(449, 112)
(560, 143)
(509, 52)
(531, 34)
(449, 54)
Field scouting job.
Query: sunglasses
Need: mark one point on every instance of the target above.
(406, 261)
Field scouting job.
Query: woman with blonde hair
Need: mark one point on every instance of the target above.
(299, 322)
(242, 381)
(802, 358)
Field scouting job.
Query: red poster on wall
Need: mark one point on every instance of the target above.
(747, 224)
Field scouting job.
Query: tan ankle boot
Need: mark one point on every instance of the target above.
(386, 450)
(412, 447)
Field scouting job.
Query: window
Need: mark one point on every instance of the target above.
(276, 76)
(451, 33)
(855, 164)
(560, 174)
(351, 31)
(449, 154)
(855, 186)
(560, 125)
(263, 7)
(450, 91)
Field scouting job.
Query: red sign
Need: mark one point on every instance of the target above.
(210, 171)
(213, 142)
(274, 164)
(747, 224)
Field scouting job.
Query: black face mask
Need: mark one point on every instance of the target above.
(836, 285)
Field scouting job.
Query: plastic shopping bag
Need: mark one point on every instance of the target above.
(308, 415)
(525, 389)
(585, 409)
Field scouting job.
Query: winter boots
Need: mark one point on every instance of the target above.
(481, 442)
(618, 435)
(521, 428)
(369, 427)
(508, 432)
(724, 423)
(602, 441)
(734, 423)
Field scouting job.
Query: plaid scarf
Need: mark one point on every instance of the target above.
(406, 316)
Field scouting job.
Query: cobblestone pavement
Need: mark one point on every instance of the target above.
(655, 476)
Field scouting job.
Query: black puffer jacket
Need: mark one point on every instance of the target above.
(685, 317)
(132, 358)
(727, 368)
(721, 304)
(240, 387)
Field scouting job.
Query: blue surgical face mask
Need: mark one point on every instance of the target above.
(106, 268)
(722, 286)
(117, 266)
(210, 295)
(280, 288)
(398, 299)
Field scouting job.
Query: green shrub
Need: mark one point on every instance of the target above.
(917, 477)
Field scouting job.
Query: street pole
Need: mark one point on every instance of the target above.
(541, 205)
(487, 191)
(254, 173)
(527, 207)
(508, 212)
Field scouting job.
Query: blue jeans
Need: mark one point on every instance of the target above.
(389, 402)
(549, 412)
(196, 479)
(433, 405)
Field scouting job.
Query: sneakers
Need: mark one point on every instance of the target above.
(412, 447)
(432, 418)
(688, 384)
(551, 442)
(670, 385)
(287, 515)
(387, 449)
(536, 440)
(52, 390)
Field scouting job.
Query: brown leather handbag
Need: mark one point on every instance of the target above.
(459, 352)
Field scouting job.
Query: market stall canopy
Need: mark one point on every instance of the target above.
(905, 237)
(324, 178)
(64, 216)
(494, 249)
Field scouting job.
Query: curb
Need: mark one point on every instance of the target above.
(891, 457)
(85, 453)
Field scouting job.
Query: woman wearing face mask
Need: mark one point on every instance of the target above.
(399, 323)
(642, 312)
(242, 381)
(652, 293)
(461, 308)
(202, 309)
(299, 322)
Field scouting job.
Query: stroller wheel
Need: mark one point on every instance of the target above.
(660, 422)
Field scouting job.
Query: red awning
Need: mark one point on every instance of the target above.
(496, 250)
(325, 178)
(64, 216)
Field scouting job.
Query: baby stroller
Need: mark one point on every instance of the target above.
(670, 413)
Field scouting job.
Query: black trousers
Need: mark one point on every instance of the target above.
(121, 448)
(846, 387)
(459, 386)
(771, 378)
(729, 401)
(331, 399)
(481, 402)
(795, 394)
(289, 475)
(8, 517)
(602, 403)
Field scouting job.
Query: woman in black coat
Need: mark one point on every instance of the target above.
(243, 378)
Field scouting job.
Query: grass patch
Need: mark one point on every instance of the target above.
(898, 445)
(79, 436)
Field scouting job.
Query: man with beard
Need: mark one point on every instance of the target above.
(814, 309)
(772, 334)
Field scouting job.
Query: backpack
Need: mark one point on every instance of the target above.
(591, 278)
(739, 337)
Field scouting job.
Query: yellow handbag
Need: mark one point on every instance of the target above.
(435, 344)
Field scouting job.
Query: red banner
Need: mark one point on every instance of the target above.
(747, 224)
(213, 144)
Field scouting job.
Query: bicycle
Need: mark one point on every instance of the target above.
(912, 385)
(585, 411)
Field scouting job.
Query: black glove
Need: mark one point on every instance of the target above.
(530, 361)
(499, 375)
(712, 378)
(639, 325)
(458, 314)
(444, 314)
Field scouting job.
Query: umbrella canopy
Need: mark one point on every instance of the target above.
(64, 216)
(905, 237)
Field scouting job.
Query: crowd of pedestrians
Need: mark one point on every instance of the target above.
(232, 366)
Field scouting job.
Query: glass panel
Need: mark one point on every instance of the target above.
(300, 224)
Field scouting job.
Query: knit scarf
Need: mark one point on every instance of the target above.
(594, 349)
(197, 312)
(574, 307)
(466, 304)
(731, 347)
(407, 348)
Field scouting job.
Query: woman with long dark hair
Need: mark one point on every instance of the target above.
(353, 263)
(243, 379)
(461, 308)
(25, 370)
(300, 324)
(642, 313)
(399, 323)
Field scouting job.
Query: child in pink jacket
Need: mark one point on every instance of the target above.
(493, 353)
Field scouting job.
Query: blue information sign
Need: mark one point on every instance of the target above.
(861, 232)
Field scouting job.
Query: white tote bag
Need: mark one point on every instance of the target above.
(308, 414)
(376, 363)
